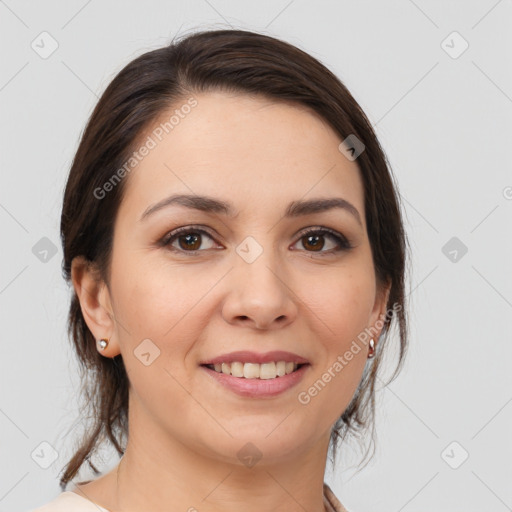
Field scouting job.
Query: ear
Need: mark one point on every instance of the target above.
(378, 315)
(95, 303)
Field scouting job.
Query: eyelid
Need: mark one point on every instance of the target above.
(323, 229)
(165, 240)
(342, 242)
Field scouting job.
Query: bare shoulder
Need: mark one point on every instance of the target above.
(69, 501)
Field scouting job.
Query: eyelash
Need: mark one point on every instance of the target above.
(341, 241)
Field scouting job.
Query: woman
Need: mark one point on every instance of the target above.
(235, 244)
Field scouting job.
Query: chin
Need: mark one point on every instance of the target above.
(269, 443)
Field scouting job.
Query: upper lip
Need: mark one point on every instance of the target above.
(246, 356)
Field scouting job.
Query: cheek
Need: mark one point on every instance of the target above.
(159, 309)
(343, 302)
(156, 299)
(343, 315)
(344, 346)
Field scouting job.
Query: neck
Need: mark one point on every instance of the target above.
(157, 473)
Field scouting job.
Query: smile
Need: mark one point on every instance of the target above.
(270, 370)
(267, 385)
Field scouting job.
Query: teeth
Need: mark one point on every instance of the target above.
(251, 371)
(237, 369)
(256, 371)
(268, 371)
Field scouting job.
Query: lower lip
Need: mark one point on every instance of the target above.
(259, 388)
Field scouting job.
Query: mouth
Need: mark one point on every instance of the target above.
(256, 375)
(264, 371)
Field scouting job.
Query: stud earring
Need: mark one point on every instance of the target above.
(103, 343)
(371, 352)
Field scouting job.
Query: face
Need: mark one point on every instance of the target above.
(250, 271)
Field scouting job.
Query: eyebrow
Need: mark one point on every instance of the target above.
(212, 205)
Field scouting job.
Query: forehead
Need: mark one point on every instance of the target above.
(250, 151)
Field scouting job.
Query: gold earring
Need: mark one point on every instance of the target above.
(103, 343)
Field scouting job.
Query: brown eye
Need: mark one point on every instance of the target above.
(314, 241)
(187, 238)
(190, 241)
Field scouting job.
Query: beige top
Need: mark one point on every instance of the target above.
(69, 501)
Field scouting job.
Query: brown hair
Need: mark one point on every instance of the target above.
(222, 60)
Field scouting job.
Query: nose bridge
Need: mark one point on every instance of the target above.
(257, 263)
(258, 289)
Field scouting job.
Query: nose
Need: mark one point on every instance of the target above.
(259, 295)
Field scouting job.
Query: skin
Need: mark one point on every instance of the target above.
(186, 429)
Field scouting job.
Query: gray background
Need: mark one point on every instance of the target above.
(444, 120)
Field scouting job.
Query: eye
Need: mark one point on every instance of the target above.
(189, 239)
(313, 238)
